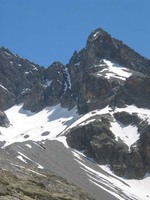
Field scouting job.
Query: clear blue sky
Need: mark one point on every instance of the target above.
(44, 31)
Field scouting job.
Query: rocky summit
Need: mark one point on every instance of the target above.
(87, 121)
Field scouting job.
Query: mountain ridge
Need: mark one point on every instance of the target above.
(100, 45)
(98, 103)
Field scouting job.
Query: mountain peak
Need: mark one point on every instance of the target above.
(101, 45)
(100, 36)
(99, 103)
(99, 33)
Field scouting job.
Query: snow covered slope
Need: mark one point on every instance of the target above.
(128, 134)
(51, 124)
(53, 121)
(46, 124)
(113, 70)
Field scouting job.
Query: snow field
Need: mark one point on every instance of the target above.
(46, 124)
(114, 70)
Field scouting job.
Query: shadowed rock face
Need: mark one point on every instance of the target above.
(37, 186)
(22, 81)
(87, 85)
(7, 99)
(98, 142)
(138, 91)
(101, 45)
(4, 121)
(126, 119)
(144, 144)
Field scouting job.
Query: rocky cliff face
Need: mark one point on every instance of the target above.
(97, 141)
(93, 88)
(82, 82)
(24, 82)
(106, 73)
(4, 121)
(97, 86)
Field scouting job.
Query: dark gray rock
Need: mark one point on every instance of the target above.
(22, 81)
(4, 121)
(137, 90)
(126, 118)
(104, 46)
(98, 142)
(7, 99)
(144, 144)
(17, 75)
